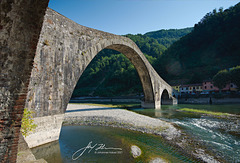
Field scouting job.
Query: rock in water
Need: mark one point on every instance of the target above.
(136, 151)
(158, 160)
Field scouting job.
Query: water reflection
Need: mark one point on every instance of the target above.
(50, 152)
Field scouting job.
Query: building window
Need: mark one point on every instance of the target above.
(231, 86)
(205, 87)
(193, 87)
(211, 86)
(186, 88)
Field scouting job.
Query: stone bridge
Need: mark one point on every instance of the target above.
(64, 50)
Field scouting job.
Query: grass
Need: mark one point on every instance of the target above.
(204, 112)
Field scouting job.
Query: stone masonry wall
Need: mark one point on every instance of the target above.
(20, 26)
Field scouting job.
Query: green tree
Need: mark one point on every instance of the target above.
(27, 123)
(221, 79)
(235, 76)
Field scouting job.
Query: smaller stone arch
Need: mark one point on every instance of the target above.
(166, 99)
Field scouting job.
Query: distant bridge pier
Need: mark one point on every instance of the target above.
(151, 105)
(165, 98)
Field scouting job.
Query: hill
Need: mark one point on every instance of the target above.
(167, 37)
(213, 45)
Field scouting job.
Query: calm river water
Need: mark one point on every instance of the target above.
(220, 135)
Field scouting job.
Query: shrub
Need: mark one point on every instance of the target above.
(27, 123)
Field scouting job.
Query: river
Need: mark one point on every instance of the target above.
(73, 138)
(222, 136)
(219, 135)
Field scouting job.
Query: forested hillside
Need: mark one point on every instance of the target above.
(109, 76)
(187, 55)
(167, 37)
(213, 45)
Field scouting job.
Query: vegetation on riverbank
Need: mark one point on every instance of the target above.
(204, 112)
(223, 77)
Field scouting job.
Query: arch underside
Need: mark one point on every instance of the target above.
(138, 60)
(141, 68)
(165, 98)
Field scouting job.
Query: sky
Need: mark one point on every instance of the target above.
(137, 16)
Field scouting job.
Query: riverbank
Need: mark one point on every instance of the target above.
(82, 114)
(121, 99)
(208, 100)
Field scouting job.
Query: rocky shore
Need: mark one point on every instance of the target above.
(84, 114)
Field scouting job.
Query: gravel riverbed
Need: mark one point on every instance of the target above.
(82, 114)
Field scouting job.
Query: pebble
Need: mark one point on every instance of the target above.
(136, 151)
